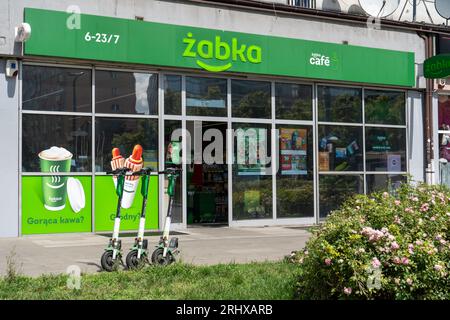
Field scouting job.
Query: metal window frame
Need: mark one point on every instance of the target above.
(229, 120)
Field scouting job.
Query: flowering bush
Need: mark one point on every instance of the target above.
(381, 246)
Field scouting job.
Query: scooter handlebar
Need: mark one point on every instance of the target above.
(119, 171)
(171, 171)
(142, 172)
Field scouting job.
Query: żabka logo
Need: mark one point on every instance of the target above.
(221, 51)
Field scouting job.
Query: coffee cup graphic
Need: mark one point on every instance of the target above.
(54, 188)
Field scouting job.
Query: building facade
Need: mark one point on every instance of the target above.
(338, 105)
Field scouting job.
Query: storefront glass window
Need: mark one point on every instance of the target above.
(56, 89)
(126, 92)
(339, 104)
(252, 179)
(206, 97)
(124, 134)
(384, 107)
(383, 182)
(335, 189)
(41, 132)
(385, 149)
(251, 99)
(172, 132)
(444, 139)
(172, 94)
(340, 148)
(293, 101)
(295, 178)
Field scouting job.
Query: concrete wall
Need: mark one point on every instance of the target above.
(9, 161)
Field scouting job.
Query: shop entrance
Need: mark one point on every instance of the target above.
(207, 174)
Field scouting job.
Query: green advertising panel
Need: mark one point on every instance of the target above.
(56, 204)
(61, 34)
(106, 205)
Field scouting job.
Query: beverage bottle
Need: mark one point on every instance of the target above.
(135, 163)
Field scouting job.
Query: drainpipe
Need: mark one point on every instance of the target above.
(428, 125)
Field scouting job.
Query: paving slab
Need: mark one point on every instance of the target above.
(53, 254)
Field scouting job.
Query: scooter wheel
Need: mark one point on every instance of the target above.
(133, 262)
(107, 261)
(159, 259)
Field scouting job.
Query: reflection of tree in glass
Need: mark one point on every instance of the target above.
(339, 104)
(253, 105)
(172, 102)
(334, 190)
(385, 107)
(295, 197)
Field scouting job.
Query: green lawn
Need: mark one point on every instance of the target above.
(269, 280)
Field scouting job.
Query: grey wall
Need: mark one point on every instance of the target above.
(9, 161)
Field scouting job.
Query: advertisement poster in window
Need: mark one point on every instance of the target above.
(56, 201)
(293, 148)
(252, 148)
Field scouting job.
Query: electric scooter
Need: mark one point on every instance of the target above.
(166, 250)
(113, 253)
(138, 255)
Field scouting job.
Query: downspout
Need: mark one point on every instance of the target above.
(428, 125)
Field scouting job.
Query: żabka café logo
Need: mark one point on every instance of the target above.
(321, 60)
(220, 52)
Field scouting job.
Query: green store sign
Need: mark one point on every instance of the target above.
(437, 67)
(60, 34)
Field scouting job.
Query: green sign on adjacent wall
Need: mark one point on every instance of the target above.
(106, 204)
(59, 34)
(437, 67)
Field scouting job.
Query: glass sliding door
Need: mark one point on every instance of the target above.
(207, 173)
(251, 172)
(295, 175)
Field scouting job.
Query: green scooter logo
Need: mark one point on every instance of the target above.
(220, 50)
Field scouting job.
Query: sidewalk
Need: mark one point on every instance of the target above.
(44, 254)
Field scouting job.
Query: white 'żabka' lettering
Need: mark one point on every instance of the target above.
(220, 50)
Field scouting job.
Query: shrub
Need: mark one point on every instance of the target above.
(381, 246)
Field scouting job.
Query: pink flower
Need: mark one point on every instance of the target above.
(433, 218)
(397, 220)
(424, 207)
(397, 260)
(409, 210)
(415, 199)
(376, 263)
(328, 261)
(347, 291)
(405, 261)
(394, 245)
(438, 267)
(409, 281)
(410, 248)
(397, 202)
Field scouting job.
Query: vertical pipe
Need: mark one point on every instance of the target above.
(428, 127)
